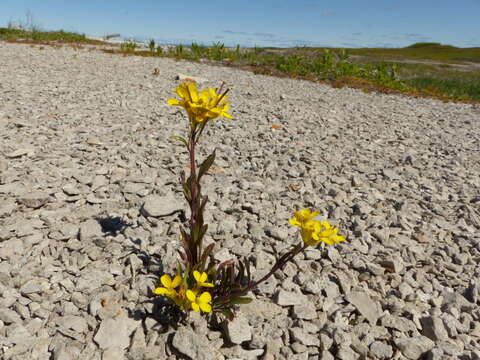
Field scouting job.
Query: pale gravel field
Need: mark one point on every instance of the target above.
(87, 166)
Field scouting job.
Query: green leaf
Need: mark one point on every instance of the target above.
(206, 165)
(228, 314)
(241, 300)
(179, 138)
(205, 255)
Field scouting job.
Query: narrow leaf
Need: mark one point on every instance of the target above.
(241, 300)
(206, 165)
(179, 138)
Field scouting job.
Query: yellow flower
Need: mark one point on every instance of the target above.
(329, 234)
(203, 106)
(201, 278)
(301, 217)
(200, 302)
(314, 232)
(169, 285)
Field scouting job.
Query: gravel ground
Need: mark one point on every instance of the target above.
(90, 207)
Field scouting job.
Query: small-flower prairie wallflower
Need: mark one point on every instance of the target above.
(201, 279)
(302, 216)
(169, 285)
(200, 106)
(199, 302)
(314, 232)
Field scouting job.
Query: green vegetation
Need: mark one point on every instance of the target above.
(441, 79)
(398, 69)
(42, 36)
(128, 46)
(423, 51)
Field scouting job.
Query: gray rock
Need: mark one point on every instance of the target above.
(20, 152)
(195, 346)
(17, 334)
(36, 285)
(238, 330)
(34, 199)
(288, 298)
(66, 353)
(380, 350)
(433, 328)
(71, 189)
(89, 230)
(414, 347)
(365, 305)
(9, 316)
(300, 335)
(346, 353)
(113, 354)
(158, 206)
(93, 279)
(73, 322)
(305, 311)
(435, 354)
(115, 332)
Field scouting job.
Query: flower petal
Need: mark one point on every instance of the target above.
(203, 277)
(191, 296)
(166, 281)
(205, 307)
(195, 307)
(205, 297)
(197, 276)
(176, 281)
(162, 291)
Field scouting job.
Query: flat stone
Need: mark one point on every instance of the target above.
(18, 334)
(73, 322)
(365, 305)
(194, 345)
(20, 152)
(93, 279)
(71, 189)
(9, 316)
(36, 285)
(113, 354)
(115, 332)
(381, 350)
(300, 335)
(288, 298)
(414, 347)
(433, 328)
(34, 199)
(158, 206)
(90, 229)
(238, 330)
(306, 311)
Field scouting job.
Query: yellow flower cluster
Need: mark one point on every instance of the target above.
(200, 106)
(176, 290)
(314, 232)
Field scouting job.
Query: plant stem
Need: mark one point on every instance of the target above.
(281, 262)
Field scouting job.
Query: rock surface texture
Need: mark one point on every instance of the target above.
(90, 208)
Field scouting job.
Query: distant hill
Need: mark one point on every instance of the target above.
(429, 45)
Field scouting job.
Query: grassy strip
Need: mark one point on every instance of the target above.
(8, 34)
(423, 51)
(324, 65)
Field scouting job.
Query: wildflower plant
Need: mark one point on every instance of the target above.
(200, 283)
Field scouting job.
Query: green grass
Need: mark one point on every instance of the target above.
(423, 51)
(43, 36)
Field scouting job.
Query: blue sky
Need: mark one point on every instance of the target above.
(340, 23)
